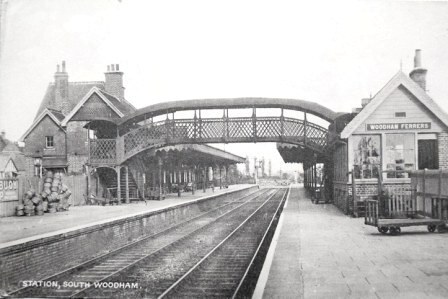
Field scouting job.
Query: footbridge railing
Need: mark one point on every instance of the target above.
(222, 130)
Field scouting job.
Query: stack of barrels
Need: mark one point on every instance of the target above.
(33, 204)
(56, 193)
(54, 197)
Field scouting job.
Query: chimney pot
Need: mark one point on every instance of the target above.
(113, 83)
(418, 74)
(63, 66)
(58, 69)
(418, 58)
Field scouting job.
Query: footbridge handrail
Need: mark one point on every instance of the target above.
(223, 130)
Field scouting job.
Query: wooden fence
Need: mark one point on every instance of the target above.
(431, 192)
(76, 183)
(425, 196)
(400, 201)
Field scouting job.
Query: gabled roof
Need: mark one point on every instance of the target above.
(124, 106)
(76, 91)
(54, 115)
(4, 160)
(11, 147)
(400, 79)
(110, 100)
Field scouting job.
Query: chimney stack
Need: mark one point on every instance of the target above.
(114, 81)
(418, 74)
(61, 101)
(365, 101)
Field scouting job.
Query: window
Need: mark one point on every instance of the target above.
(400, 154)
(49, 142)
(367, 159)
(400, 114)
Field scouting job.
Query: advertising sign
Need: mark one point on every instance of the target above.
(9, 190)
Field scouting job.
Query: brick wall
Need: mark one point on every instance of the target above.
(343, 194)
(37, 259)
(77, 142)
(76, 163)
(114, 84)
(29, 166)
(35, 141)
(443, 150)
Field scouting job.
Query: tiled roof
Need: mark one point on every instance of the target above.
(124, 106)
(76, 91)
(17, 158)
(57, 114)
(3, 143)
(3, 161)
(11, 148)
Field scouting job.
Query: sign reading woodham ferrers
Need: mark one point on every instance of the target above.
(398, 126)
(9, 190)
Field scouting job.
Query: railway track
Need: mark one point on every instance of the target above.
(116, 267)
(224, 272)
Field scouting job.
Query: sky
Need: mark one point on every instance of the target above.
(330, 52)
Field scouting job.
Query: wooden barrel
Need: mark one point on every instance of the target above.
(40, 213)
(53, 205)
(67, 194)
(36, 200)
(45, 206)
(29, 194)
(52, 210)
(49, 174)
(20, 207)
(48, 180)
(20, 213)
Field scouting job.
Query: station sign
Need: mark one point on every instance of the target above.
(398, 126)
(9, 190)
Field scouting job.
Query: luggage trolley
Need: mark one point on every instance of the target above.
(424, 203)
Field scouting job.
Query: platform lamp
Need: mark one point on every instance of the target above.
(38, 163)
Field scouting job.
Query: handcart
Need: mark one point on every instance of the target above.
(424, 202)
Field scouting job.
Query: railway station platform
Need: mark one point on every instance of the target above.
(16, 230)
(318, 252)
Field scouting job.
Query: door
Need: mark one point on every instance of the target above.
(428, 154)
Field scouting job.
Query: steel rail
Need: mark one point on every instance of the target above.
(75, 295)
(259, 246)
(103, 257)
(181, 279)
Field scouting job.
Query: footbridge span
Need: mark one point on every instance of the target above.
(158, 125)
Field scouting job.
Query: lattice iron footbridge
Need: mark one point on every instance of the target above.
(144, 130)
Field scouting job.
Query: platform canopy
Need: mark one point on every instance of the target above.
(192, 154)
(292, 153)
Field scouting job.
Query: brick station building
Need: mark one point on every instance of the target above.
(72, 115)
(400, 129)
